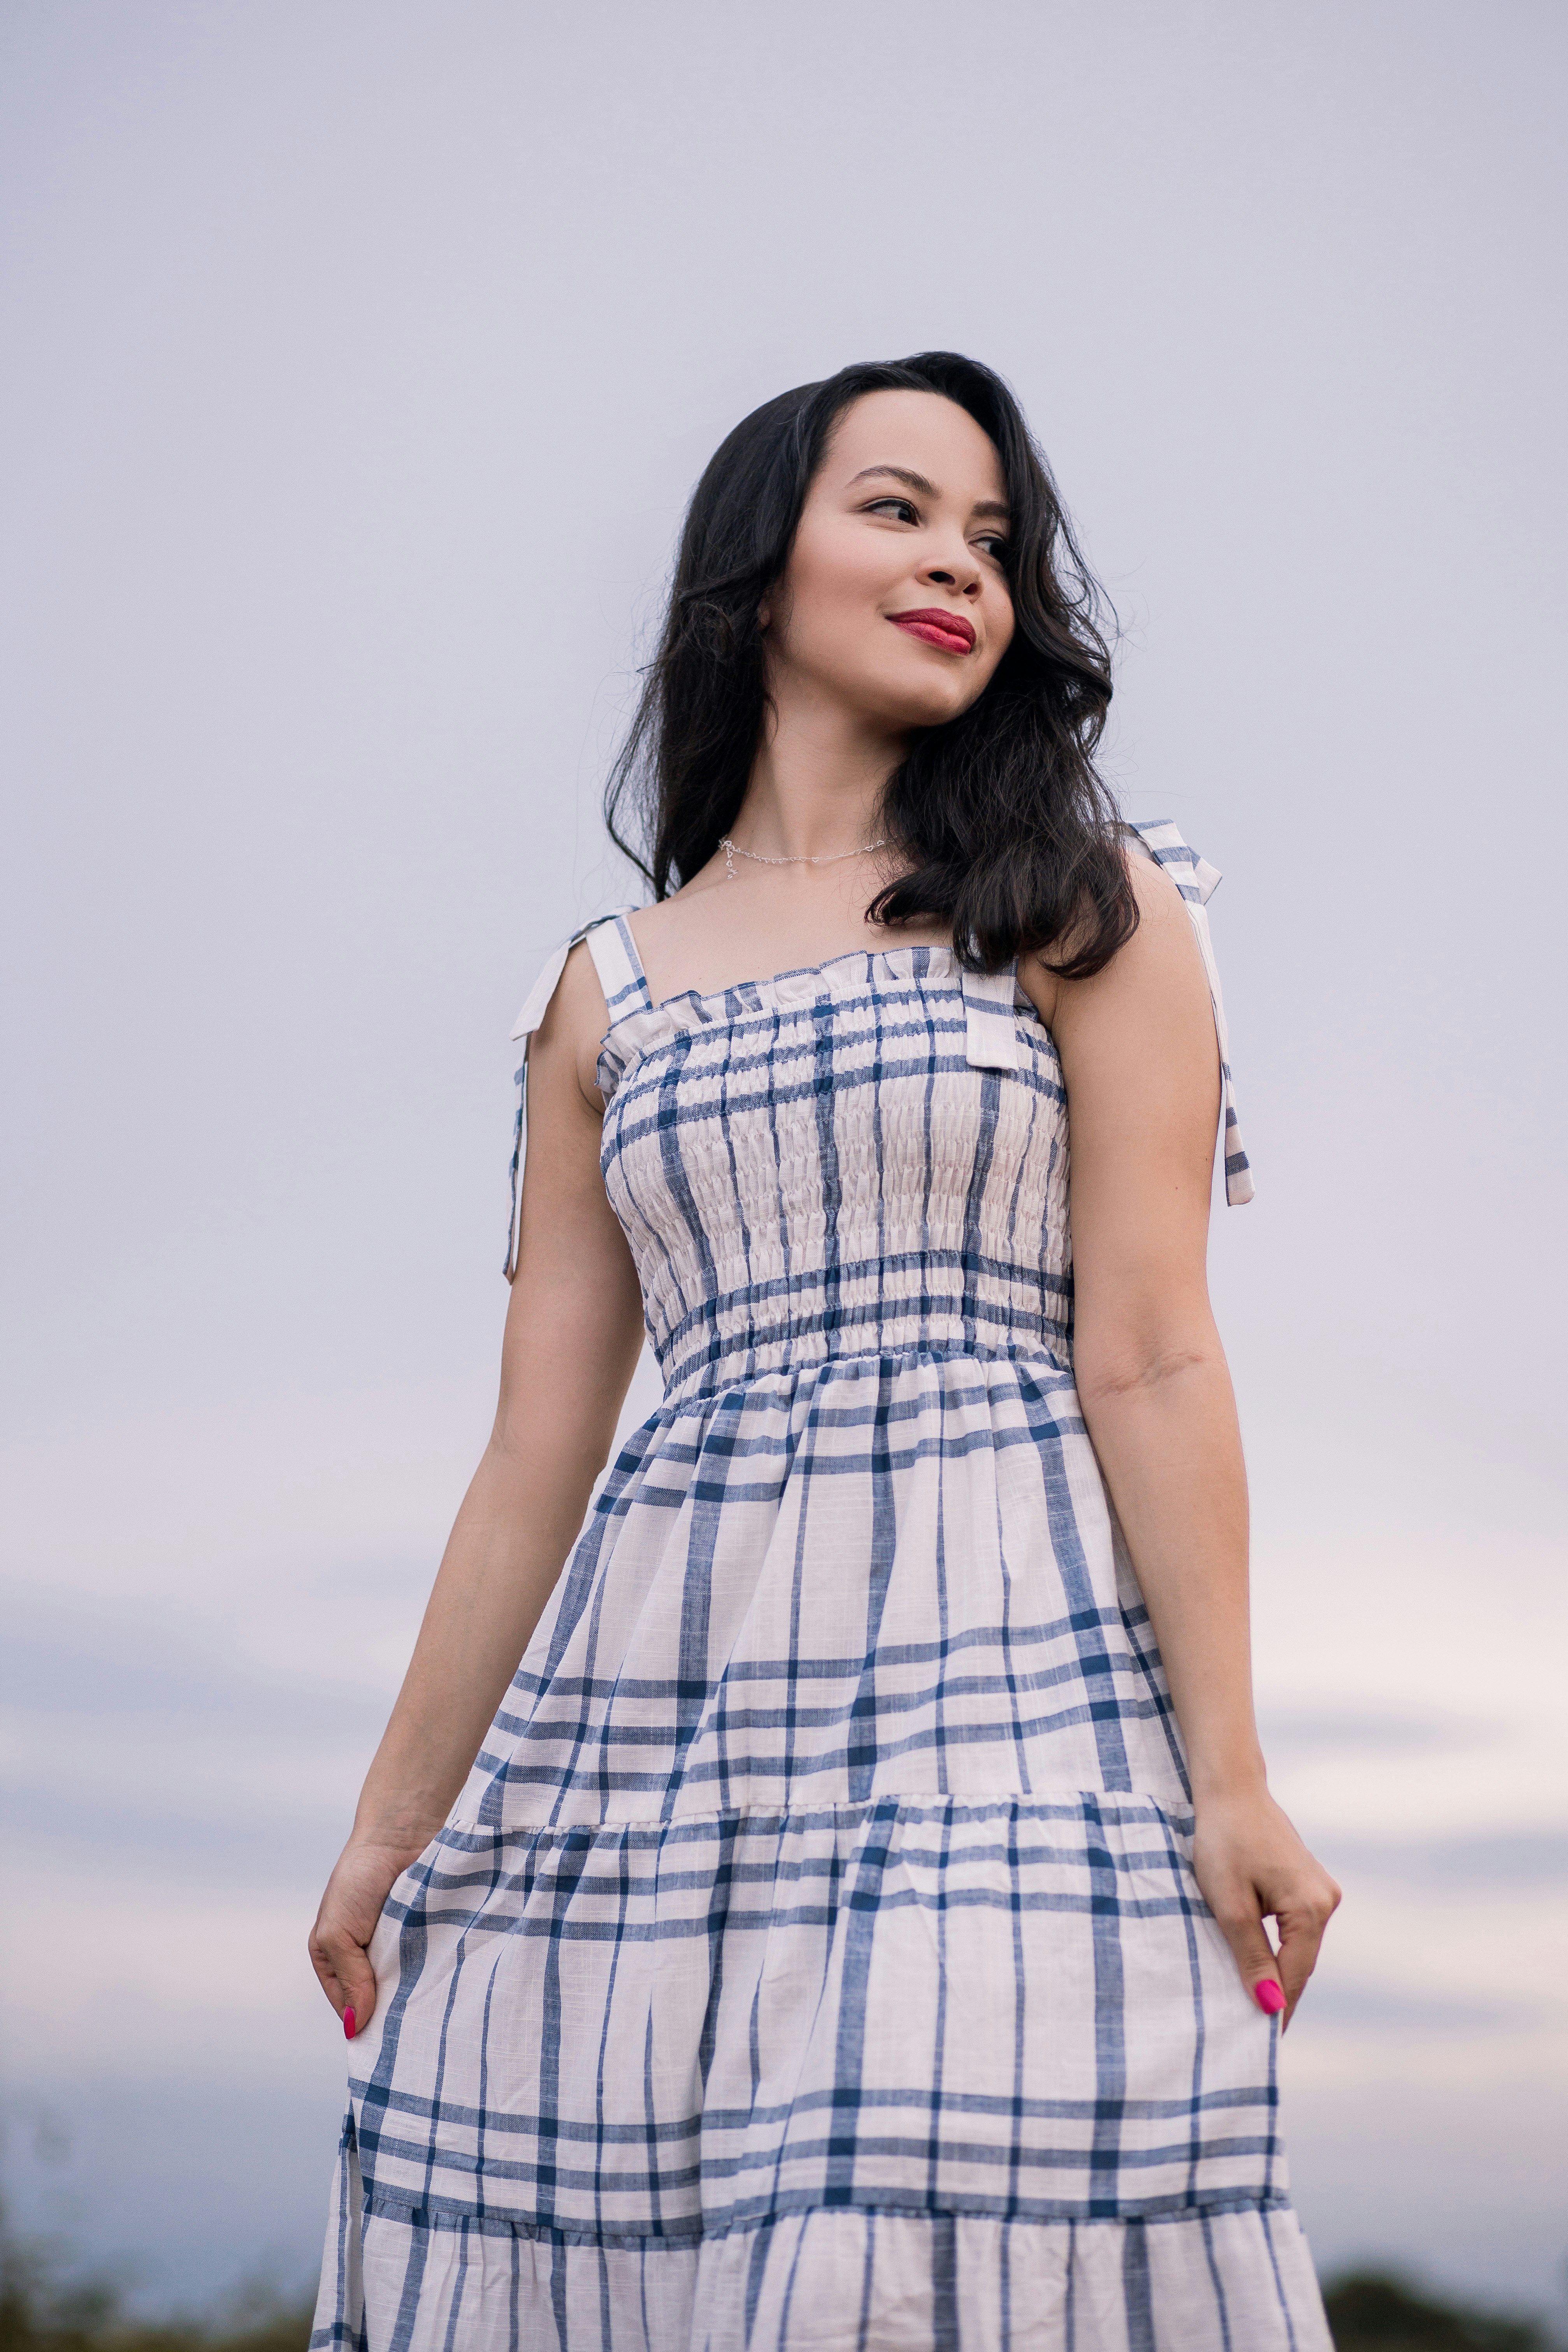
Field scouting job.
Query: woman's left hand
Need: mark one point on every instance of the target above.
(1250, 1865)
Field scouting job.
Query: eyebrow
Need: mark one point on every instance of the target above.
(927, 489)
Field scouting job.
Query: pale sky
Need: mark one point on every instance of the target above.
(361, 360)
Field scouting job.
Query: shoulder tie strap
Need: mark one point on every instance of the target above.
(1158, 840)
(620, 975)
(991, 1038)
(619, 967)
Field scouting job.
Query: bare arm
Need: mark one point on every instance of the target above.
(1139, 1056)
(574, 1329)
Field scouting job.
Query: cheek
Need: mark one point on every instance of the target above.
(833, 629)
(834, 580)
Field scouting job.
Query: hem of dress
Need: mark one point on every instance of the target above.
(385, 2205)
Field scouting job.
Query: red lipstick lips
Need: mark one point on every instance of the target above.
(949, 632)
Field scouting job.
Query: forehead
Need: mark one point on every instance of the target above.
(922, 432)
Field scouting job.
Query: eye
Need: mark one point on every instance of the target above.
(903, 509)
(995, 547)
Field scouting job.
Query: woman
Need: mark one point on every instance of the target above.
(850, 1932)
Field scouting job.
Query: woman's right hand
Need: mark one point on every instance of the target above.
(351, 1907)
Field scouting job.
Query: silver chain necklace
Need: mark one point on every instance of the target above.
(732, 850)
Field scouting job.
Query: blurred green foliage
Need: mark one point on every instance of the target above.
(42, 2309)
(91, 2320)
(1370, 2313)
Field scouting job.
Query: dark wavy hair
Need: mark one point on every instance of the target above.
(1012, 835)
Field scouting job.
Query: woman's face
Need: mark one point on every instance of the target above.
(894, 600)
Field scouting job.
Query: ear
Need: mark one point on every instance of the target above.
(764, 614)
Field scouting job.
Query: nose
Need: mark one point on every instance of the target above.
(960, 572)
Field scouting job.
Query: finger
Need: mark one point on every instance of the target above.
(357, 1979)
(1300, 1940)
(347, 1979)
(326, 1971)
(1242, 1927)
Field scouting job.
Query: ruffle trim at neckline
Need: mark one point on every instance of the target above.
(843, 975)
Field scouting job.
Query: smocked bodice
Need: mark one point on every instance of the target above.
(866, 1157)
(827, 1163)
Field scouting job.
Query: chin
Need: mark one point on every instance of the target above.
(901, 696)
(902, 703)
(910, 710)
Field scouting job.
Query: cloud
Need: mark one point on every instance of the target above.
(1292, 1735)
(1364, 2005)
(1521, 1854)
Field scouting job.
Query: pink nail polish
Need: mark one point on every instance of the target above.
(348, 2024)
(1269, 1996)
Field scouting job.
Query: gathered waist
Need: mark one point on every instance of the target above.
(786, 1369)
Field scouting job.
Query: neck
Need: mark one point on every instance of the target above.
(818, 780)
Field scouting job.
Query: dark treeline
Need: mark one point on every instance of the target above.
(45, 2308)
(1370, 2313)
(45, 2318)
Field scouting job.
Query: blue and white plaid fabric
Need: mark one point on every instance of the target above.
(813, 1958)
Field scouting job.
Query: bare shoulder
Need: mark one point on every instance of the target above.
(1162, 958)
(1165, 926)
(668, 925)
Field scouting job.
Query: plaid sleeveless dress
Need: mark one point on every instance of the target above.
(813, 1958)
